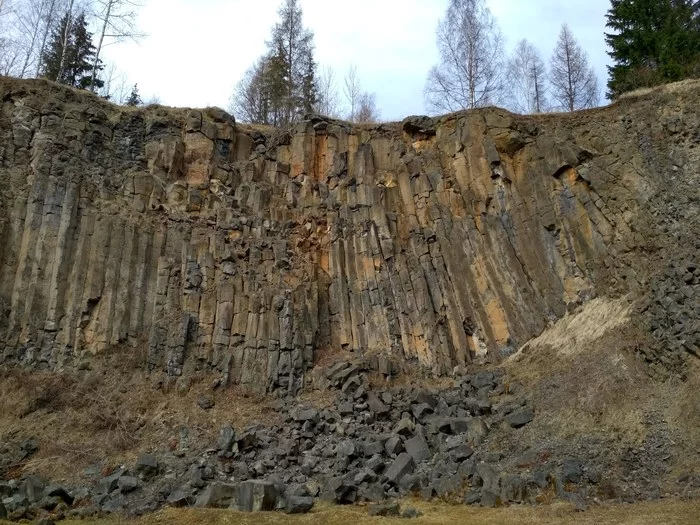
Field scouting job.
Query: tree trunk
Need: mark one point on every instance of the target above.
(47, 28)
(34, 35)
(66, 34)
(537, 89)
(110, 3)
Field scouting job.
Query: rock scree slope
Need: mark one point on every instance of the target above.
(253, 253)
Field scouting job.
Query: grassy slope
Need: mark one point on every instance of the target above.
(661, 512)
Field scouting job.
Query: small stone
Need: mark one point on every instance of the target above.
(227, 437)
(572, 471)
(461, 452)
(401, 466)
(373, 492)
(146, 465)
(393, 445)
(346, 408)
(127, 484)
(578, 502)
(179, 498)
(405, 427)
(376, 405)
(384, 510)
(299, 504)
(372, 448)
(422, 410)
(310, 414)
(205, 402)
(411, 513)
(418, 448)
(520, 418)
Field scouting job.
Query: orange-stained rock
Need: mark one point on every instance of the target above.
(214, 244)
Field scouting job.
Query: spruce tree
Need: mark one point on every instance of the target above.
(652, 42)
(134, 97)
(77, 55)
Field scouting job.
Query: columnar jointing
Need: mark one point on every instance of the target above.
(210, 245)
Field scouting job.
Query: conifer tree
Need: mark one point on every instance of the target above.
(134, 97)
(652, 42)
(282, 84)
(70, 60)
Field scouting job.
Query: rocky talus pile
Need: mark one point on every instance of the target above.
(371, 446)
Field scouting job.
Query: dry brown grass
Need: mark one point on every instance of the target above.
(584, 373)
(657, 513)
(108, 415)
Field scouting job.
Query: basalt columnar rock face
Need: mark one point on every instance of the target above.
(216, 246)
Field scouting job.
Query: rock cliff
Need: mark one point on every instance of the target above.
(256, 253)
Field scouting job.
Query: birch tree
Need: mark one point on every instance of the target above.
(470, 72)
(327, 102)
(367, 108)
(24, 29)
(574, 84)
(117, 21)
(527, 79)
(353, 91)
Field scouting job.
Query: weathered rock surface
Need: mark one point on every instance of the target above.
(428, 242)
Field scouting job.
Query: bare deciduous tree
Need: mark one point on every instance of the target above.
(471, 59)
(527, 79)
(367, 108)
(51, 15)
(25, 26)
(117, 19)
(327, 102)
(352, 90)
(574, 83)
(115, 86)
(8, 54)
(260, 96)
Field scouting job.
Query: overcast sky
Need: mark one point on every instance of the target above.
(196, 50)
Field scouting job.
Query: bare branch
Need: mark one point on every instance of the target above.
(574, 82)
(471, 59)
(352, 90)
(527, 77)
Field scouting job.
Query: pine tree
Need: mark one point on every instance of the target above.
(70, 60)
(134, 97)
(652, 42)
